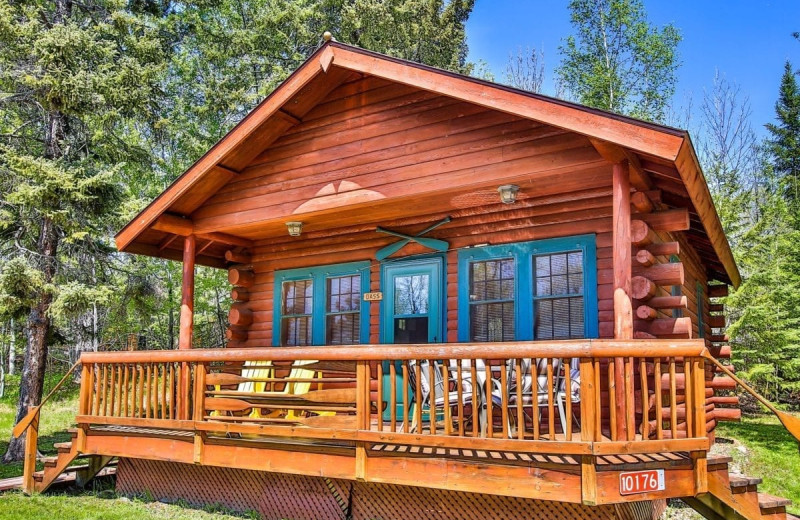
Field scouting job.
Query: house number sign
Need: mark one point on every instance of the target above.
(634, 482)
(375, 296)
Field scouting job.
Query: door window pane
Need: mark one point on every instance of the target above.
(558, 298)
(411, 330)
(491, 295)
(342, 320)
(411, 294)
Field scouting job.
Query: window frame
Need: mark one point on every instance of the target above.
(319, 276)
(523, 254)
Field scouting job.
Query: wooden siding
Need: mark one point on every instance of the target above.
(394, 151)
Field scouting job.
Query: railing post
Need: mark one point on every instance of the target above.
(84, 404)
(362, 415)
(589, 422)
(31, 449)
(199, 410)
(699, 422)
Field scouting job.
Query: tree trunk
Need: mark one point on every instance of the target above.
(38, 331)
(12, 349)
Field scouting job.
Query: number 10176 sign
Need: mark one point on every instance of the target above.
(634, 482)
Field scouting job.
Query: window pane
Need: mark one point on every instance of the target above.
(559, 318)
(411, 330)
(344, 293)
(342, 329)
(298, 297)
(296, 331)
(411, 294)
(492, 322)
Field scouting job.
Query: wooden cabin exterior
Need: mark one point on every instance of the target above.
(596, 285)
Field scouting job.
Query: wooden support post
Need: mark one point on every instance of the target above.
(187, 322)
(187, 294)
(623, 308)
(31, 450)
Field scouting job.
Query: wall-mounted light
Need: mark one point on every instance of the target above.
(295, 228)
(508, 193)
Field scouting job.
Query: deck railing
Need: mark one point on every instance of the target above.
(561, 397)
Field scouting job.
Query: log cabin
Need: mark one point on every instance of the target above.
(451, 299)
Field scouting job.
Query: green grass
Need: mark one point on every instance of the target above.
(92, 506)
(769, 453)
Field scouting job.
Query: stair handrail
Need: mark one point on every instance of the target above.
(790, 422)
(30, 423)
(26, 421)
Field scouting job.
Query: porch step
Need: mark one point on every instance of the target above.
(736, 496)
(770, 502)
(718, 462)
(63, 447)
(743, 484)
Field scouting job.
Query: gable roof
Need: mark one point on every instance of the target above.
(658, 149)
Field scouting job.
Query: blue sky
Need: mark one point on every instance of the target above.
(747, 41)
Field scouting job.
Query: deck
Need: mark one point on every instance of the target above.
(538, 420)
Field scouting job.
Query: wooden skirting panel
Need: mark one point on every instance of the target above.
(298, 497)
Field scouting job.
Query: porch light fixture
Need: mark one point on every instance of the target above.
(295, 228)
(508, 193)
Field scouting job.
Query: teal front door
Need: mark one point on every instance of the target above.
(412, 313)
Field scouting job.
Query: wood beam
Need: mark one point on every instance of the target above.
(616, 154)
(166, 242)
(225, 238)
(174, 224)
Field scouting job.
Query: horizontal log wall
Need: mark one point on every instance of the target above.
(269, 257)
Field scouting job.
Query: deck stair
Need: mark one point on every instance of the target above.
(59, 468)
(736, 497)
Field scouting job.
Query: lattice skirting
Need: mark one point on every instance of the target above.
(294, 497)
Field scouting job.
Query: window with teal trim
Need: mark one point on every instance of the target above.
(342, 310)
(491, 300)
(544, 289)
(321, 305)
(558, 296)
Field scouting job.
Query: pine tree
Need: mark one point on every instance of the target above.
(617, 61)
(784, 143)
(74, 74)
